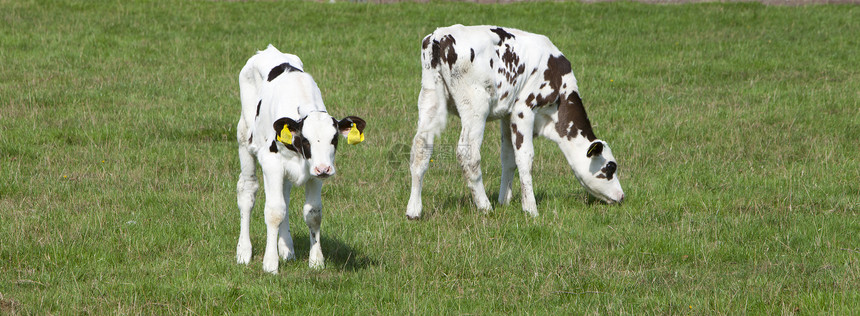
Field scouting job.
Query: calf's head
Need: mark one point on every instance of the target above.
(315, 138)
(595, 168)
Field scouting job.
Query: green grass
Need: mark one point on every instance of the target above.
(736, 127)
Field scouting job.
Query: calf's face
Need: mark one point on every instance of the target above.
(596, 171)
(315, 137)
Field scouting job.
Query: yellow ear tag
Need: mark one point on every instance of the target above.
(355, 136)
(286, 137)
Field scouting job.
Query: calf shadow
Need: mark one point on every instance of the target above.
(464, 201)
(338, 255)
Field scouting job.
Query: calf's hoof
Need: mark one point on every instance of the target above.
(270, 266)
(243, 254)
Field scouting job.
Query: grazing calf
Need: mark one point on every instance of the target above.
(285, 127)
(484, 73)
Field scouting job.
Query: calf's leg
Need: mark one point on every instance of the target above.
(432, 116)
(522, 129)
(277, 198)
(313, 218)
(246, 190)
(509, 165)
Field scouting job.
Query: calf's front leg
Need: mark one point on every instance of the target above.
(469, 155)
(313, 218)
(277, 198)
(521, 136)
(508, 164)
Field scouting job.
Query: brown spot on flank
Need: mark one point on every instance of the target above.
(518, 142)
(425, 42)
(504, 95)
(520, 115)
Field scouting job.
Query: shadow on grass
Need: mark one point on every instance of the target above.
(338, 255)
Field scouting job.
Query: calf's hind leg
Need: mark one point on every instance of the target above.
(469, 156)
(246, 190)
(432, 116)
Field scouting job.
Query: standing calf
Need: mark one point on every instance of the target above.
(285, 127)
(484, 73)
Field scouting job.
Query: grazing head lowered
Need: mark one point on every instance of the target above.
(484, 73)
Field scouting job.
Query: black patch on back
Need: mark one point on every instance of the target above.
(258, 107)
(279, 69)
(503, 35)
(472, 59)
(273, 148)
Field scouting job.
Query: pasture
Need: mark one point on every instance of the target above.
(736, 127)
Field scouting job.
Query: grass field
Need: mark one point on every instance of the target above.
(736, 128)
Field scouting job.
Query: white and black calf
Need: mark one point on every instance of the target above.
(284, 126)
(484, 73)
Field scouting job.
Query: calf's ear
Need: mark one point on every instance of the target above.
(352, 127)
(594, 150)
(285, 129)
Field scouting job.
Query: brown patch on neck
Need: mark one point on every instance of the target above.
(556, 68)
(570, 109)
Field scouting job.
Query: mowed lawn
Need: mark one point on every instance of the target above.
(736, 128)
